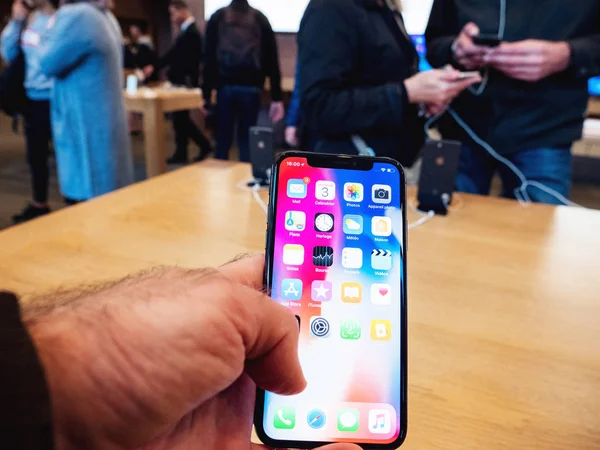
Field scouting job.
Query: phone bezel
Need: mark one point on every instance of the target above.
(323, 160)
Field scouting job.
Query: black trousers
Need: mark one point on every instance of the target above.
(186, 129)
(38, 131)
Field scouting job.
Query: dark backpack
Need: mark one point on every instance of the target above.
(13, 98)
(240, 41)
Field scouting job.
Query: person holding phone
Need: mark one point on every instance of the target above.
(24, 33)
(359, 77)
(163, 360)
(532, 103)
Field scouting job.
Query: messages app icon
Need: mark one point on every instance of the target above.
(296, 189)
(348, 420)
(353, 224)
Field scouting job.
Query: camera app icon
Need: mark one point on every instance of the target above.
(382, 194)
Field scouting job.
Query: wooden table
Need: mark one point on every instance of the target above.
(153, 103)
(504, 300)
(594, 109)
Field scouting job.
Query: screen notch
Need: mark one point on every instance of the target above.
(327, 161)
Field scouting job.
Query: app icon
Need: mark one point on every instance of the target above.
(295, 221)
(319, 327)
(296, 189)
(348, 420)
(381, 259)
(350, 329)
(285, 418)
(351, 292)
(316, 419)
(325, 190)
(321, 291)
(352, 258)
(381, 226)
(382, 194)
(381, 330)
(353, 224)
(354, 192)
(381, 294)
(293, 255)
(291, 289)
(324, 222)
(323, 256)
(380, 421)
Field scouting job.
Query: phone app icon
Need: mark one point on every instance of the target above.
(291, 289)
(348, 420)
(381, 226)
(382, 194)
(296, 188)
(323, 256)
(380, 421)
(381, 330)
(381, 259)
(353, 224)
(325, 190)
(319, 327)
(354, 192)
(316, 419)
(381, 294)
(293, 255)
(295, 221)
(352, 258)
(324, 222)
(351, 292)
(285, 418)
(321, 291)
(350, 329)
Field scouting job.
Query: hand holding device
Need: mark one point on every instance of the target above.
(291, 136)
(276, 112)
(487, 40)
(466, 52)
(530, 60)
(438, 87)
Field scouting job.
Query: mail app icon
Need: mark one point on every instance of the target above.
(296, 189)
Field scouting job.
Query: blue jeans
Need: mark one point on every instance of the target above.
(236, 105)
(548, 166)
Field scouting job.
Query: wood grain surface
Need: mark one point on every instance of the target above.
(504, 301)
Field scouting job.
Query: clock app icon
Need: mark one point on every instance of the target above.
(324, 222)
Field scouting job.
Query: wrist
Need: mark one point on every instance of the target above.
(562, 51)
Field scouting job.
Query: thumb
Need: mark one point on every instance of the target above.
(471, 29)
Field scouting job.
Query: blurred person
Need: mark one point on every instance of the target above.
(24, 33)
(183, 62)
(532, 106)
(165, 360)
(359, 77)
(241, 52)
(138, 51)
(294, 113)
(83, 53)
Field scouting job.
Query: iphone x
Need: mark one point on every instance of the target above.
(336, 257)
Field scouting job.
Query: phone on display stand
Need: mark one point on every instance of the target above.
(262, 154)
(439, 169)
(336, 257)
(487, 40)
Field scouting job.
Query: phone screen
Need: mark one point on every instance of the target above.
(338, 263)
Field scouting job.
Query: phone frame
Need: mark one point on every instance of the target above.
(487, 40)
(331, 161)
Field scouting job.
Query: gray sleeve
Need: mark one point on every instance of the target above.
(9, 42)
(67, 43)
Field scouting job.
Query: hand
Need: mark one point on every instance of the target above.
(148, 71)
(531, 60)
(437, 87)
(166, 360)
(291, 136)
(466, 53)
(19, 11)
(276, 112)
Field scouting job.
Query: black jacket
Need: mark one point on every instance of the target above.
(514, 115)
(184, 58)
(269, 54)
(354, 58)
(138, 56)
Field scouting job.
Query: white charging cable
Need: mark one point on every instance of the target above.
(255, 189)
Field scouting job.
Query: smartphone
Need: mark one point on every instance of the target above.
(262, 153)
(467, 75)
(487, 40)
(336, 257)
(439, 168)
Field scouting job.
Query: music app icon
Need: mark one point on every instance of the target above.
(380, 421)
